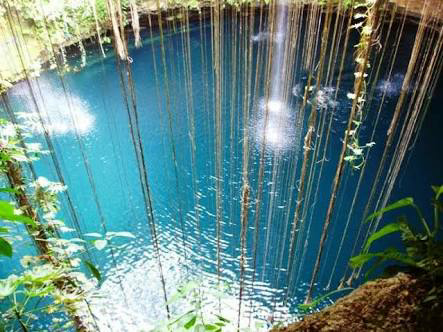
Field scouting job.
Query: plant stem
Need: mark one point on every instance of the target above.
(436, 216)
(23, 326)
(423, 221)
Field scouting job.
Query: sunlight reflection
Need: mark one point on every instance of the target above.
(278, 131)
(61, 114)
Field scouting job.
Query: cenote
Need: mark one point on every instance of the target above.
(225, 169)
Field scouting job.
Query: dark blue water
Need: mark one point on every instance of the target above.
(93, 110)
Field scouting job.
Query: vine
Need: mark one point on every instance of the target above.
(365, 25)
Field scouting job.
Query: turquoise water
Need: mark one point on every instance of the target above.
(93, 113)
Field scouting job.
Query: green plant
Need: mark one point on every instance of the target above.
(317, 301)
(196, 317)
(50, 279)
(364, 14)
(55, 279)
(423, 252)
(202, 308)
(51, 284)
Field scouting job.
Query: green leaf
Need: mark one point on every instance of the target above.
(9, 190)
(67, 326)
(95, 272)
(191, 322)
(360, 260)
(93, 234)
(175, 320)
(7, 213)
(5, 248)
(120, 234)
(223, 319)
(100, 244)
(182, 291)
(259, 326)
(408, 201)
(350, 158)
(4, 230)
(388, 254)
(7, 287)
(199, 328)
(430, 298)
(438, 190)
(317, 300)
(388, 229)
(40, 292)
(210, 327)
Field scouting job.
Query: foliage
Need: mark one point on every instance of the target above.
(197, 317)
(423, 249)
(49, 26)
(317, 301)
(22, 294)
(45, 276)
(53, 25)
(100, 241)
(364, 17)
(51, 283)
(55, 21)
(11, 149)
(201, 310)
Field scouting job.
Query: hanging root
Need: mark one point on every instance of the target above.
(244, 227)
(119, 45)
(135, 22)
(362, 62)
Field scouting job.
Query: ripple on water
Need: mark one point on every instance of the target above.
(137, 277)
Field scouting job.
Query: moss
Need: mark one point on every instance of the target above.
(393, 304)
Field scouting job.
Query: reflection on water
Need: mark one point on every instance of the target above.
(277, 130)
(140, 281)
(139, 278)
(391, 87)
(61, 114)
